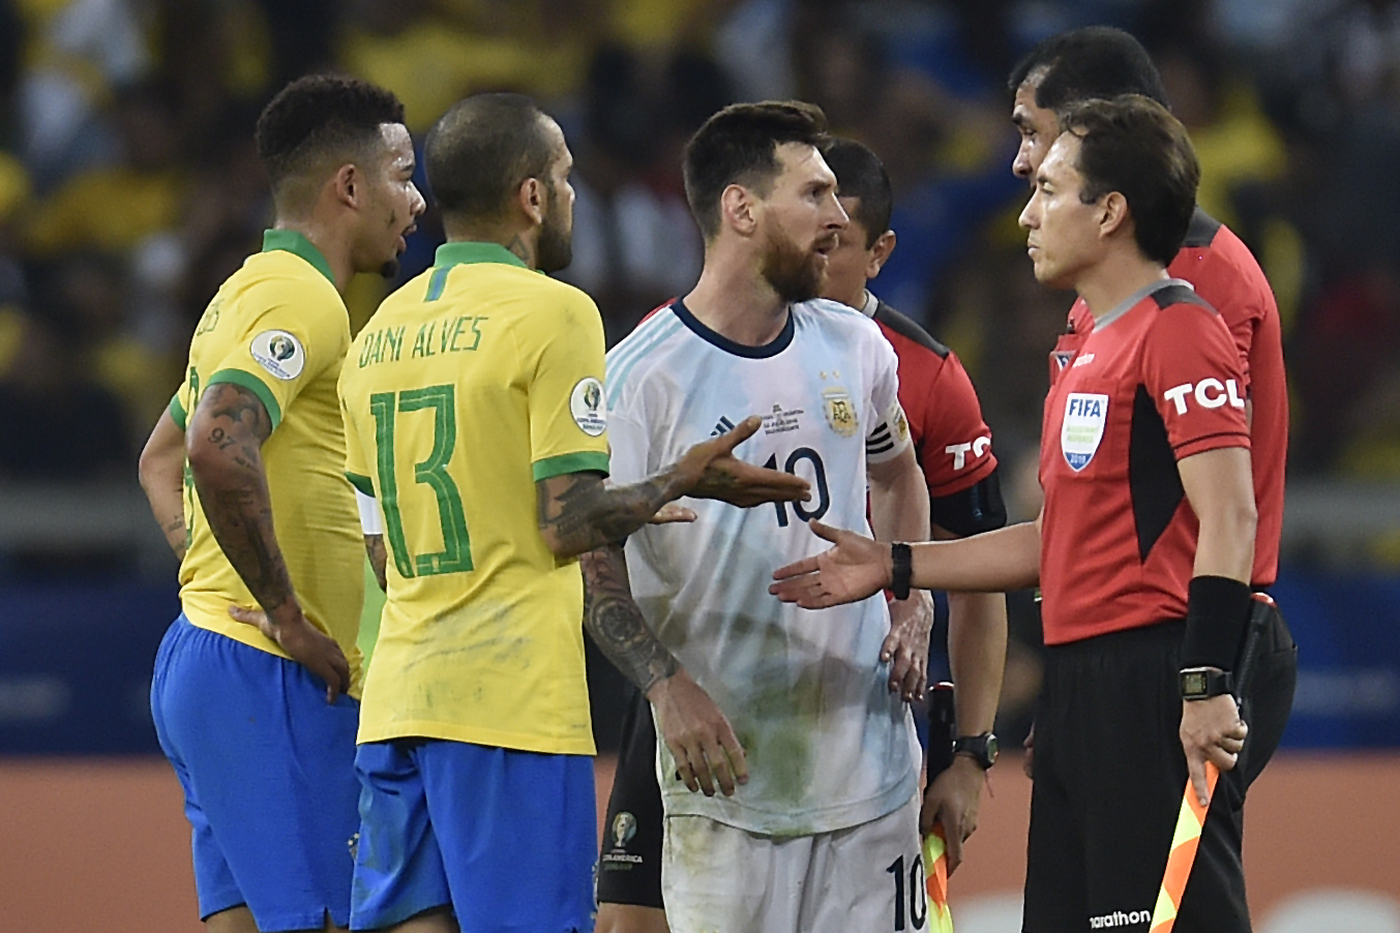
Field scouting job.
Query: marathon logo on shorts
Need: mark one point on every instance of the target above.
(1120, 918)
(1208, 393)
(1082, 428)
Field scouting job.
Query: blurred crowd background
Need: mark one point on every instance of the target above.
(129, 189)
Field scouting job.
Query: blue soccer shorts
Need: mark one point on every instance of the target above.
(268, 770)
(506, 838)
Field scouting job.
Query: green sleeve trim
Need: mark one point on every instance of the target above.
(363, 483)
(241, 377)
(584, 462)
(177, 411)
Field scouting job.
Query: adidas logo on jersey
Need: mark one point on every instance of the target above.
(723, 426)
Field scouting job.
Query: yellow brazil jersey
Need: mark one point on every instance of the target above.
(278, 327)
(472, 382)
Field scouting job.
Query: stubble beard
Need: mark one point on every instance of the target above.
(796, 275)
(555, 249)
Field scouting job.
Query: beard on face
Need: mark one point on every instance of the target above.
(796, 275)
(555, 249)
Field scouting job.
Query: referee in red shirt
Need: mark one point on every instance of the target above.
(1103, 62)
(1143, 551)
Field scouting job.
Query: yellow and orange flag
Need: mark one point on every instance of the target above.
(940, 918)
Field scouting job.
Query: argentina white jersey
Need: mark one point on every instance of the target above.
(828, 745)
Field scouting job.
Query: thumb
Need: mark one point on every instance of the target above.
(254, 617)
(246, 616)
(825, 531)
(739, 433)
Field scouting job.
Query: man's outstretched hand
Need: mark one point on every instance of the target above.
(709, 470)
(855, 568)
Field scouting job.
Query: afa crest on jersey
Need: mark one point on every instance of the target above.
(1082, 427)
(840, 412)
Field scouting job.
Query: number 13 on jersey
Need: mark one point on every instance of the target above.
(438, 403)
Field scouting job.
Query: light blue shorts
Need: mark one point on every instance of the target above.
(507, 838)
(269, 777)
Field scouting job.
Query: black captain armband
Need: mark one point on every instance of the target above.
(1217, 613)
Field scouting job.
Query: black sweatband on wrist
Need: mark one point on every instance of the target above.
(903, 572)
(1217, 614)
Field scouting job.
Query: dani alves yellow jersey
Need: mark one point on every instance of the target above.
(471, 383)
(279, 328)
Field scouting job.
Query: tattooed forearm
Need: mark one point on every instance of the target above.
(616, 624)
(378, 559)
(225, 435)
(241, 520)
(162, 473)
(577, 513)
(177, 537)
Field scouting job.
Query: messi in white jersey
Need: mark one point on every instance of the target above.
(828, 745)
(790, 712)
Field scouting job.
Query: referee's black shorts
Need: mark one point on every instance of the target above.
(1109, 779)
(629, 865)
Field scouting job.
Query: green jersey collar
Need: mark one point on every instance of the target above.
(295, 243)
(462, 252)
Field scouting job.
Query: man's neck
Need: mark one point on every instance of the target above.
(735, 301)
(332, 241)
(1109, 283)
(518, 242)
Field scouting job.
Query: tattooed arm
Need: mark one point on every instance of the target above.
(162, 473)
(378, 559)
(224, 441)
(688, 721)
(578, 513)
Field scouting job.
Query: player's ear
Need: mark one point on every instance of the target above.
(530, 197)
(880, 254)
(738, 209)
(1113, 213)
(346, 183)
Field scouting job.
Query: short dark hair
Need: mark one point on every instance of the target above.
(738, 145)
(860, 174)
(1132, 145)
(1091, 62)
(320, 116)
(481, 150)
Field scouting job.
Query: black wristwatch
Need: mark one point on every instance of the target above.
(1202, 683)
(980, 748)
(902, 569)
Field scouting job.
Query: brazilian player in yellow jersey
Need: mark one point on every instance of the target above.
(473, 382)
(244, 472)
(475, 418)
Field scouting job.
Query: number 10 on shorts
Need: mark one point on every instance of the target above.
(910, 909)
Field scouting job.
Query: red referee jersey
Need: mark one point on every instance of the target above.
(1157, 381)
(1224, 272)
(952, 442)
